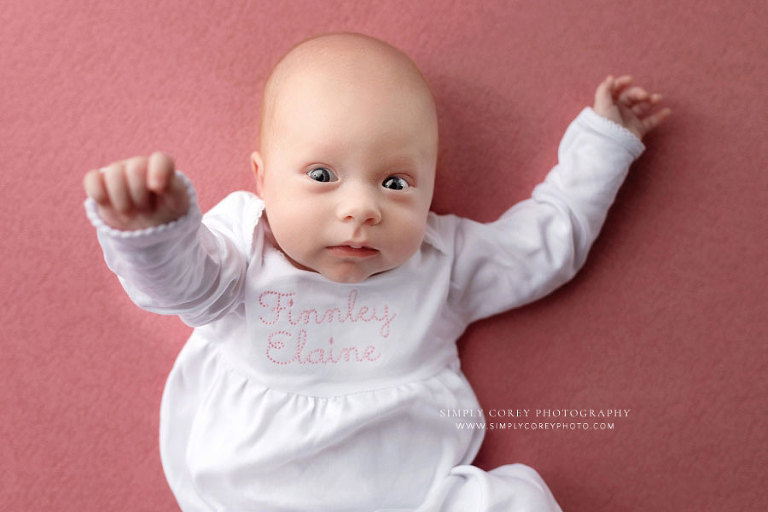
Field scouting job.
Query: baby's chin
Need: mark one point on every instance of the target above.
(346, 277)
(344, 274)
(351, 274)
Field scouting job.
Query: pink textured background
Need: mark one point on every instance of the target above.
(668, 318)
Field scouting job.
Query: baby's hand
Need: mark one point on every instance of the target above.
(631, 107)
(138, 193)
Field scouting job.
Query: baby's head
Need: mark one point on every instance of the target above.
(346, 167)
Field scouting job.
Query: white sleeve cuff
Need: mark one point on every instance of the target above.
(613, 130)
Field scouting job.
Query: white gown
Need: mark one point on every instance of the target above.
(295, 393)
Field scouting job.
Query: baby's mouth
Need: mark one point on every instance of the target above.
(353, 251)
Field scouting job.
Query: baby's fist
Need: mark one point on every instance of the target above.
(138, 193)
(631, 107)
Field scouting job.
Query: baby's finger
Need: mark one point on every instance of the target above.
(94, 187)
(117, 188)
(655, 119)
(603, 97)
(160, 172)
(620, 84)
(136, 178)
(641, 108)
(633, 95)
(176, 199)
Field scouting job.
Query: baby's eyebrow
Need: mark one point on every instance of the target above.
(408, 161)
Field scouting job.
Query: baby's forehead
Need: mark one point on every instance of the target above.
(346, 58)
(340, 71)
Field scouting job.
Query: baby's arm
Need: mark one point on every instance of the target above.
(540, 243)
(630, 107)
(154, 238)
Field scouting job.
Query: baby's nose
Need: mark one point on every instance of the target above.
(361, 207)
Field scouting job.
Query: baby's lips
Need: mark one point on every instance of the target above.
(353, 251)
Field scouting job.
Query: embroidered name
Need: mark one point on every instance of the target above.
(277, 302)
(281, 308)
(276, 348)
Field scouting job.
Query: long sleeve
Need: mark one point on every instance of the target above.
(540, 243)
(193, 267)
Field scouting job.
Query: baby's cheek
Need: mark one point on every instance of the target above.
(408, 240)
(290, 230)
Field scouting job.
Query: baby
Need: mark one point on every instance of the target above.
(327, 306)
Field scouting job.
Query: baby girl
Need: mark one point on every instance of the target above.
(327, 306)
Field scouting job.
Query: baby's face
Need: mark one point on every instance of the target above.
(347, 172)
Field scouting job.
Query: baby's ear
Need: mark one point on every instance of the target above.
(258, 170)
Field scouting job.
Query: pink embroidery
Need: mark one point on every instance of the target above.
(279, 345)
(277, 308)
(286, 347)
(276, 348)
(279, 302)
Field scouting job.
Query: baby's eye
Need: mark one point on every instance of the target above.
(395, 183)
(322, 175)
